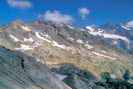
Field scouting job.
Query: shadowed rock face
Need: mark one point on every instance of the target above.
(75, 77)
(18, 71)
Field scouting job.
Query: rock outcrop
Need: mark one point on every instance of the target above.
(19, 71)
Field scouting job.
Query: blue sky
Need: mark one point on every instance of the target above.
(100, 11)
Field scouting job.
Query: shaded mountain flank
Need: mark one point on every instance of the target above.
(18, 71)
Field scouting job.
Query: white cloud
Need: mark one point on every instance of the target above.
(57, 17)
(19, 4)
(129, 24)
(83, 12)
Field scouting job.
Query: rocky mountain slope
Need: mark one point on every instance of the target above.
(18, 71)
(69, 51)
(118, 35)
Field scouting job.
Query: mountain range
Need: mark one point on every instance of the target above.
(65, 52)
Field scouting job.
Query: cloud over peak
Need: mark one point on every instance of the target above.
(83, 12)
(19, 3)
(57, 17)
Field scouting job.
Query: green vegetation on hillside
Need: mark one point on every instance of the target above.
(107, 82)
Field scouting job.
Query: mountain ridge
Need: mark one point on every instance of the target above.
(44, 39)
(69, 51)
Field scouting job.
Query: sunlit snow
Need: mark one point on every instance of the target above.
(56, 44)
(24, 47)
(14, 38)
(28, 40)
(41, 37)
(25, 28)
(106, 35)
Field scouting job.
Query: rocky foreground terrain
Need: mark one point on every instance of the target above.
(45, 55)
(19, 71)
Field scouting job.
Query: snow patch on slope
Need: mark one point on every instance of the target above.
(14, 38)
(106, 35)
(41, 36)
(125, 27)
(25, 28)
(24, 47)
(79, 41)
(70, 26)
(90, 28)
(113, 36)
(103, 55)
(44, 35)
(28, 40)
(56, 44)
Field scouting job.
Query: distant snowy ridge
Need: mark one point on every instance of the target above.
(106, 35)
(125, 27)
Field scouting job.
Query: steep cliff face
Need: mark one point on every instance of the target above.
(18, 71)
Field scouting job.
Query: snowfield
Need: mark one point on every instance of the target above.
(14, 38)
(28, 40)
(71, 27)
(25, 28)
(24, 47)
(39, 36)
(80, 41)
(103, 55)
(56, 44)
(106, 35)
(125, 27)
